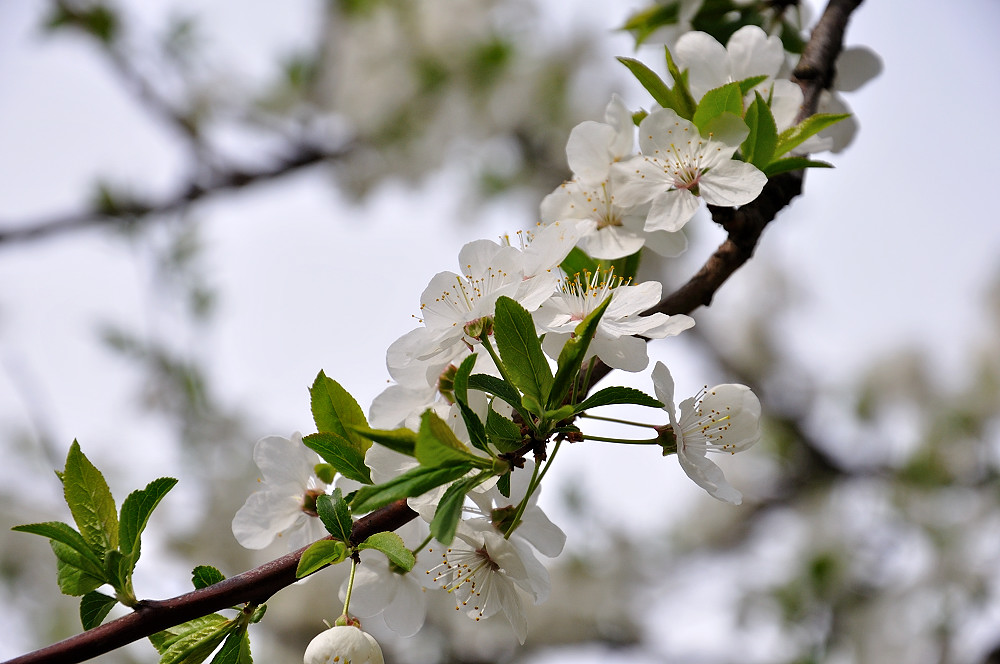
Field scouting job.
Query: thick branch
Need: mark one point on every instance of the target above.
(253, 587)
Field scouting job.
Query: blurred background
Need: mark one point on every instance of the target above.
(202, 204)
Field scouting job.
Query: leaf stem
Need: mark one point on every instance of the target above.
(350, 583)
(618, 421)
(623, 441)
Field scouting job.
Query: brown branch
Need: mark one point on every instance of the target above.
(133, 211)
(252, 587)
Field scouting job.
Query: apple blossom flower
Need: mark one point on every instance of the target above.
(489, 574)
(723, 419)
(749, 52)
(678, 165)
(616, 342)
(285, 505)
(618, 231)
(343, 644)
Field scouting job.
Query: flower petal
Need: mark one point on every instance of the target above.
(732, 183)
(708, 476)
(672, 209)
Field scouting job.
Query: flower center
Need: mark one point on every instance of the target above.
(584, 295)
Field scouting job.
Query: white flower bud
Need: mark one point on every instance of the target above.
(343, 645)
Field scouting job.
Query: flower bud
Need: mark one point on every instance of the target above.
(343, 645)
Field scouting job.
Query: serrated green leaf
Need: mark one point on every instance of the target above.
(204, 576)
(90, 501)
(62, 532)
(449, 508)
(118, 570)
(682, 93)
(335, 410)
(572, 354)
(520, 350)
(258, 614)
(655, 86)
(236, 649)
(497, 387)
(748, 84)
(413, 482)
(793, 164)
(73, 572)
(503, 485)
(393, 547)
(724, 99)
(474, 425)
(336, 515)
(164, 639)
(194, 646)
(319, 555)
(437, 444)
(94, 608)
(758, 148)
(502, 433)
(340, 453)
(618, 395)
(792, 137)
(136, 510)
(400, 440)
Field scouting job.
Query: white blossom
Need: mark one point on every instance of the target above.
(284, 506)
(343, 644)
(725, 419)
(749, 52)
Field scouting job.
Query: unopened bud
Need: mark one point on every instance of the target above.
(343, 645)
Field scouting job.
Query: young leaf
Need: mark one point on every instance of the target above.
(400, 440)
(340, 453)
(449, 508)
(437, 444)
(94, 608)
(392, 546)
(204, 576)
(168, 637)
(571, 356)
(758, 148)
(90, 501)
(618, 395)
(725, 99)
(503, 485)
(236, 649)
(335, 410)
(61, 532)
(118, 572)
(136, 509)
(793, 164)
(654, 85)
(681, 91)
(474, 425)
(319, 555)
(504, 435)
(336, 515)
(520, 349)
(194, 646)
(497, 387)
(413, 482)
(792, 137)
(748, 84)
(73, 573)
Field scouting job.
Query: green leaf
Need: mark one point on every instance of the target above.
(94, 608)
(655, 86)
(325, 472)
(400, 440)
(336, 515)
(474, 425)
(437, 444)
(792, 137)
(319, 555)
(645, 22)
(572, 354)
(520, 349)
(168, 637)
(194, 646)
(497, 387)
(758, 148)
(748, 84)
(618, 395)
(118, 570)
(449, 508)
(503, 485)
(236, 649)
(62, 532)
(136, 509)
(793, 164)
(413, 482)
(90, 501)
(392, 546)
(502, 433)
(340, 453)
(204, 576)
(335, 410)
(578, 262)
(73, 572)
(725, 99)
(682, 93)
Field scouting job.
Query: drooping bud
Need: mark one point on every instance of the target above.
(475, 329)
(343, 645)
(446, 383)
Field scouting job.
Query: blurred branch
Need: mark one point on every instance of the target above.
(253, 587)
(134, 211)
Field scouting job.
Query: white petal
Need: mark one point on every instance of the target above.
(637, 181)
(706, 60)
(406, 614)
(662, 130)
(668, 326)
(708, 476)
(613, 242)
(625, 353)
(541, 533)
(666, 244)
(672, 209)
(618, 116)
(284, 462)
(477, 256)
(587, 151)
(663, 387)
(263, 516)
(732, 183)
(753, 53)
